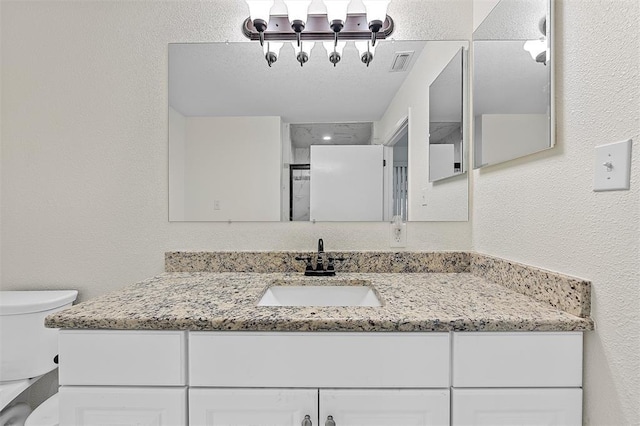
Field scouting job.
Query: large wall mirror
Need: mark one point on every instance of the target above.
(446, 120)
(513, 108)
(248, 142)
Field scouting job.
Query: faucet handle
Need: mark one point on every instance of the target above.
(307, 259)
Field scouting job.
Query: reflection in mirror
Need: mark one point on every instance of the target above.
(346, 143)
(446, 121)
(513, 82)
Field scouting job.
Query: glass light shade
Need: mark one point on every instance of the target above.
(376, 9)
(336, 10)
(329, 47)
(362, 47)
(259, 9)
(297, 10)
(535, 47)
(273, 47)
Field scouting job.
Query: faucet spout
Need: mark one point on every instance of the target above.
(320, 246)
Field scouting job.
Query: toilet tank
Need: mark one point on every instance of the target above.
(28, 348)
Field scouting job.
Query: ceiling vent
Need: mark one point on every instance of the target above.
(401, 61)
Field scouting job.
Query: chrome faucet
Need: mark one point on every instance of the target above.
(320, 270)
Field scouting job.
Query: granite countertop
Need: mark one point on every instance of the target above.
(228, 301)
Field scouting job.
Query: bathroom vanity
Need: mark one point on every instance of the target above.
(444, 348)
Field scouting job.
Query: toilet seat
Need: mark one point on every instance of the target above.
(10, 390)
(46, 414)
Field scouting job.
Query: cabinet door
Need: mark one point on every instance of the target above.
(119, 406)
(252, 407)
(377, 407)
(508, 407)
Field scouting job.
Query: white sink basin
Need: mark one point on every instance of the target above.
(319, 295)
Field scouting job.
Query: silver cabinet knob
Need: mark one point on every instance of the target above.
(329, 421)
(307, 421)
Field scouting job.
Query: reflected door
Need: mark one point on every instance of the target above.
(346, 182)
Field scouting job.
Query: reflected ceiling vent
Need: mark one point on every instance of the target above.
(401, 61)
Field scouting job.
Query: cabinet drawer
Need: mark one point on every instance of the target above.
(337, 360)
(84, 406)
(517, 359)
(135, 358)
(494, 407)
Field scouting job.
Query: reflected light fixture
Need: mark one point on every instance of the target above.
(271, 51)
(366, 50)
(335, 27)
(538, 49)
(326, 138)
(334, 50)
(303, 51)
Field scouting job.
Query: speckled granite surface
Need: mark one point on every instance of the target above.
(284, 261)
(227, 301)
(569, 294)
(572, 295)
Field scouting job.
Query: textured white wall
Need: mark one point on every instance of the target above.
(177, 152)
(541, 209)
(84, 142)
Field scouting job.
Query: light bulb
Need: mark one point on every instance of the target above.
(259, 14)
(297, 11)
(336, 13)
(376, 11)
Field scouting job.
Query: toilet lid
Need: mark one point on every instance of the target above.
(46, 414)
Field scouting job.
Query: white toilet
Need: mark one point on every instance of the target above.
(27, 352)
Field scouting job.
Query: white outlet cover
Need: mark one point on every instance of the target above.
(402, 240)
(612, 167)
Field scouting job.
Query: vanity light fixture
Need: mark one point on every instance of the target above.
(259, 16)
(376, 14)
(337, 26)
(297, 12)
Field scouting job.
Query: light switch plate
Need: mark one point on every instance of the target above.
(612, 166)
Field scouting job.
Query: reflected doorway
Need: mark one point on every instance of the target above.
(299, 192)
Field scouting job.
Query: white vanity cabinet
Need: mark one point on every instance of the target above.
(290, 407)
(122, 378)
(359, 378)
(246, 378)
(503, 379)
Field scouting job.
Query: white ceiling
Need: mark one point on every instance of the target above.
(307, 134)
(233, 79)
